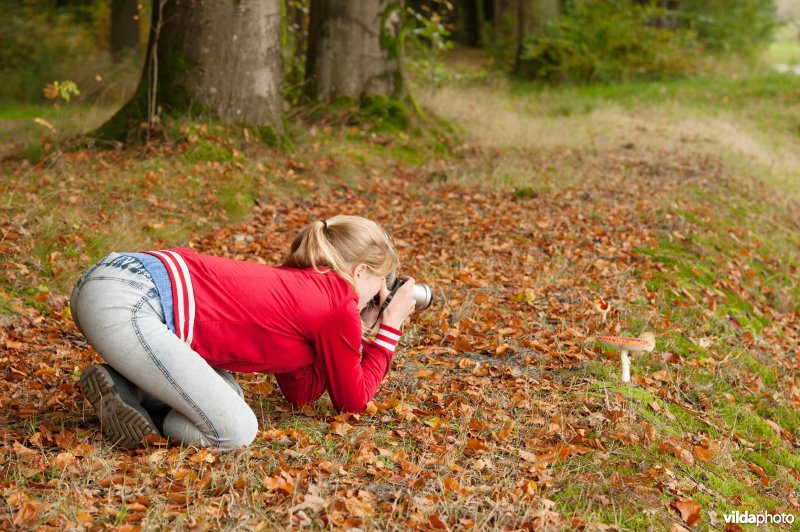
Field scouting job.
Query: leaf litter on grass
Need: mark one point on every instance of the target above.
(500, 411)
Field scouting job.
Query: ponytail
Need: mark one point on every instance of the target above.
(340, 243)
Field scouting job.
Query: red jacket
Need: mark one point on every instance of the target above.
(302, 325)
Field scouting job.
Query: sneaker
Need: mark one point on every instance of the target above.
(122, 418)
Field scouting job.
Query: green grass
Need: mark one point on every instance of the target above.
(766, 98)
(18, 124)
(725, 483)
(13, 111)
(582, 500)
(787, 53)
(207, 152)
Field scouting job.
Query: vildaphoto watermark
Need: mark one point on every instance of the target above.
(747, 518)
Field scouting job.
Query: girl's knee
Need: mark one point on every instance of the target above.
(249, 431)
(236, 429)
(242, 434)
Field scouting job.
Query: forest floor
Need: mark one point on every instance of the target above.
(501, 411)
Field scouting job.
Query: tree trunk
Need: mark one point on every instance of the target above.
(354, 49)
(532, 17)
(124, 27)
(205, 56)
(504, 30)
(468, 14)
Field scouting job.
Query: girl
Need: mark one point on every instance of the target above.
(171, 324)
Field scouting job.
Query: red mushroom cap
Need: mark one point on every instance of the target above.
(629, 344)
(601, 306)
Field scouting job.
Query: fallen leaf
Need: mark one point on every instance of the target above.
(462, 345)
(359, 508)
(689, 510)
(527, 456)
(703, 454)
(436, 522)
(475, 446)
(278, 483)
(451, 484)
(63, 460)
(201, 456)
(758, 470)
(340, 428)
(626, 437)
(29, 514)
(12, 344)
(424, 374)
(136, 507)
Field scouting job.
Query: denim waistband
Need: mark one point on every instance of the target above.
(129, 266)
(120, 266)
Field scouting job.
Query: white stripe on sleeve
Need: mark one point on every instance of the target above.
(386, 345)
(389, 335)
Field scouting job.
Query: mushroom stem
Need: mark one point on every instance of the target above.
(626, 366)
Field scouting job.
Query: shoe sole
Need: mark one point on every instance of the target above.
(119, 421)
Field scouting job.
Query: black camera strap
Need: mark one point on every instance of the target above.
(385, 304)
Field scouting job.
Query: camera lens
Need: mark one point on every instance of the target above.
(423, 297)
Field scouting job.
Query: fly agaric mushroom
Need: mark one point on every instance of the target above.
(647, 342)
(602, 307)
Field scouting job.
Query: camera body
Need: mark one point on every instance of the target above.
(423, 296)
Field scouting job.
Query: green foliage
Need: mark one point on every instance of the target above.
(294, 40)
(384, 113)
(742, 27)
(64, 90)
(276, 140)
(268, 136)
(427, 32)
(606, 41)
(426, 38)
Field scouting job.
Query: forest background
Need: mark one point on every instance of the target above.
(556, 170)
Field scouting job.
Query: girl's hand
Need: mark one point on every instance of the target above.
(401, 306)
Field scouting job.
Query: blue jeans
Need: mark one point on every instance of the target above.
(117, 308)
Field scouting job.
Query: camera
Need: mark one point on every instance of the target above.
(423, 297)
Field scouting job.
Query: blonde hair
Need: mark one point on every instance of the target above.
(342, 242)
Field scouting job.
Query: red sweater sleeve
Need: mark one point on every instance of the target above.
(302, 385)
(352, 370)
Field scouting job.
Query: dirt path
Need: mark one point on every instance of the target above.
(493, 118)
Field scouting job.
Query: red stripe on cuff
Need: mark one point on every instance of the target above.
(391, 330)
(386, 339)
